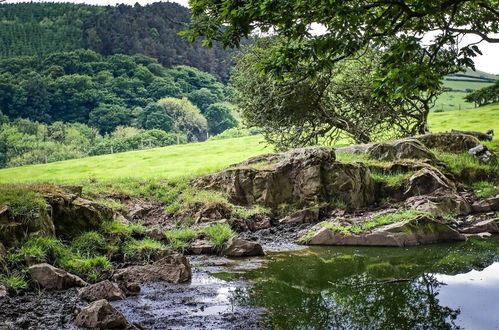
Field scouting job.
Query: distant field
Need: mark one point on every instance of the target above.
(454, 100)
(205, 157)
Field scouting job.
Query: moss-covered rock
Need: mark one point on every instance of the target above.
(400, 149)
(449, 142)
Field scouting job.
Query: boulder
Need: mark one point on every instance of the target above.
(174, 268)
(4, 293)
(479, 135)
(309, 215)
(400, 149)
(486, 204)
(102, 290)
(14, 230)
(427, 181)
(420, 230)
(202, 246)
(483, 153)
(449, 142)
(237, 247)
(440, 204)
(101, 315)
(490, 226)
(212, 212)
(74, 216)
(51, 278)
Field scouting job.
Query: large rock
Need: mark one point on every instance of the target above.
(420, 230)
(490, 226)
(202, 246)
(440, 204)
(102, 290)
(486, 204)
(72, 216)
(449, 142)
(14, 230)
(101, 315)
(427, 181)
(483, 153)
(237, 247)
(303, 177)
(52, 278)
(400, 149)
(174, 268)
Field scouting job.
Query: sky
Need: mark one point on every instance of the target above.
(488, 62)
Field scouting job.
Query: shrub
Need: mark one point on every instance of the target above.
(218, 234)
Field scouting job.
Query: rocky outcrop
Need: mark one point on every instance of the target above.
(440, 204)
(73, 215)
(479, 135)
(400, 149)
(307, 176)
(102, 290)
(449, 142)
(420, 230)
(14, 230)
(483, 153)
(174, 268)
(212, 212)
(489, 226)
(51, 278)
(427, 181)
(237, 247)
(100, 315)
(486, 204)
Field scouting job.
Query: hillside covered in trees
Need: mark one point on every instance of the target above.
(42, 28)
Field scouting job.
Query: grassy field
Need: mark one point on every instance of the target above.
(199, 158)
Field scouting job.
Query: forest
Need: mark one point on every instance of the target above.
(38, 29)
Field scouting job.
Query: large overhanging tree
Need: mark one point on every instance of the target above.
(411, 67)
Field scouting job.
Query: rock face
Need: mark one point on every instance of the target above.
(52, 278)
(237, 247)
(486, 205)
(303, 177)
(420, 230)
(449, 142)
(101, 315)
(401, 149)
(440, 204)
(427, 181)
(73, 215)
(489, 226)
(102, 290)
(174, 268)
(14, 230)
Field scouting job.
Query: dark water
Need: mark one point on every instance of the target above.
(429, 287)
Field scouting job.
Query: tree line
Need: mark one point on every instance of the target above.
(39, 29)
(105, 92)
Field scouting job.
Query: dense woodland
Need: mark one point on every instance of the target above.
(43, 28)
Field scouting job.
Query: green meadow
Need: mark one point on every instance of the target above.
(204, 157)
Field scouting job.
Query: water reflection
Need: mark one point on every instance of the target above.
(379, 288)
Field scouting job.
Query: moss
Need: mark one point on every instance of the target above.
(23, 202)
(219, 234)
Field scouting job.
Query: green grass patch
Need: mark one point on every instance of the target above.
(180, 238)
(391, 179)
(88, 268)
(484, 189)
(15, 282)
(23, 202)
(145, 248)
(119, 228)
(219, 234)
(465, 163)
(89, 244)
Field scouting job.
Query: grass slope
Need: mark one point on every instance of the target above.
(205, 157)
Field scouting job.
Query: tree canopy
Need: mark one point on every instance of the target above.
(348, 27)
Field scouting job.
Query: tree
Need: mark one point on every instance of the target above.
(154, 116)
(484, 95)
(187, 118)
(350, 27)
(336, 102)
(106, 117)
(219, 118)
(203, 98)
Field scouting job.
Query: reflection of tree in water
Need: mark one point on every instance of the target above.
(357, 302)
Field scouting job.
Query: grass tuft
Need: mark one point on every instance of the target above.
(485, 189)
(180, 238)
(218, 234)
